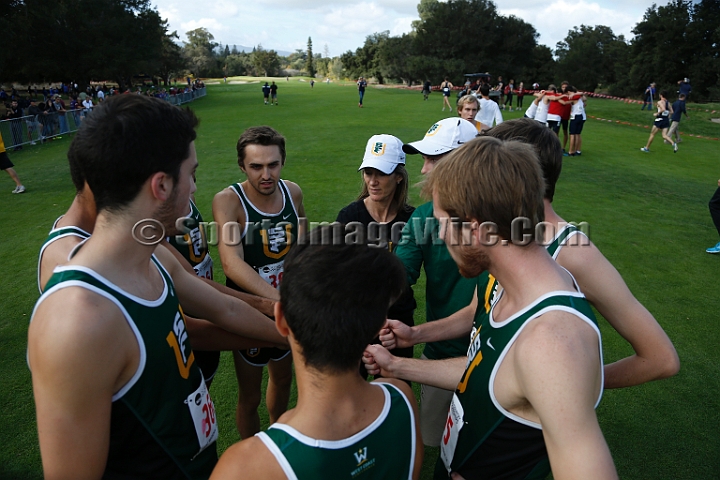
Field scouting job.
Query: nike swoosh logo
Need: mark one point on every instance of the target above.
(285, 217)
(489, 344)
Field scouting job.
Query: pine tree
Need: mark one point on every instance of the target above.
(310, 63)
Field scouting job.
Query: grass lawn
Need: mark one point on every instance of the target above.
(647, 211)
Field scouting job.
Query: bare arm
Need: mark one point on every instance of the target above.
(443, 374)
(229, 313)
(227, 210)
(555, 363)
(396, 334)
(655, 356)
(80, 350)
(261, 304)
(207, 336)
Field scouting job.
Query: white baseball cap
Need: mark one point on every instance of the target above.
(383, 152)
(442, 137)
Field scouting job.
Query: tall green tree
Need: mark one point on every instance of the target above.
(266, 62)
(107, 40)
(199, 52)
(661, 50)
(467, 36)
(588, 55)
(310, 63)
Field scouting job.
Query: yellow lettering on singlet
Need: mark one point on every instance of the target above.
(475, 361)
(488, 292)
(176, 339)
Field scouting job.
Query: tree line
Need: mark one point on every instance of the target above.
(122, 41)
(117, 40)
(680, 39)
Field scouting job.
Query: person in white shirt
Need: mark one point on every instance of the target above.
(489, 111)
(88, 104)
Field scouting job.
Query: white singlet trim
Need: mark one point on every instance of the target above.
(565, 241)
(491, 386)
(138, 337)
(78, 234)
(339, 444)
(285, 191)
(136, 299)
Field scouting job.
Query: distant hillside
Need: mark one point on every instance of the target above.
(243, 48)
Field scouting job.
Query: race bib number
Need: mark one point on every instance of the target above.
(452, 429)
(205, 268)
(202, 411)
(272, 274)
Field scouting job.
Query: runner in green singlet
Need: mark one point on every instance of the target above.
(109, 323)
(543, 371)
(654, 355)
(258, 220)
(342, 427)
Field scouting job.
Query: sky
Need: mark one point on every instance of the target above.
(341, 25)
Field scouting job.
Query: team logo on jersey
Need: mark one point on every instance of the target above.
(379, 149)
(361, 456)
(277, 240)
(433, 130)
(363, 463)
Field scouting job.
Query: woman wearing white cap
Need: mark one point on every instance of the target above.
(383, 210)
(383, 199)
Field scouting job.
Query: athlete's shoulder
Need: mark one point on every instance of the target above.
(400, 385)
(293, 188)
(560, 336)
(248, 459)
(227, 206)
(73, 320)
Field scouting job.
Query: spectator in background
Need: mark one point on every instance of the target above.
(45, 119)
(75, 108)
(500, 87)
(32, 121)
(361, 84)
(273, 94)
(489, 113)
(427, 88)
(266, 93)
(648, 97)
(508, 90)
(61, 111)
(100, 95)
(14, 114)
(685, 87)
(678, 109)
(520, 95)
(87, 105)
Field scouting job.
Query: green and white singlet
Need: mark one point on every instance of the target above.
(267, 237)
(56, 234)
(162, 421)
(193, 243)
(385, 449)
(479, 431)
